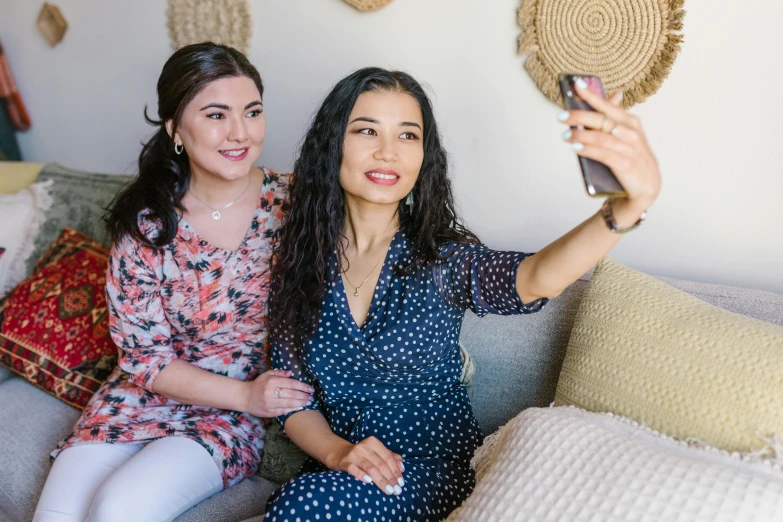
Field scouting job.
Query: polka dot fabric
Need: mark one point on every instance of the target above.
(397, 378)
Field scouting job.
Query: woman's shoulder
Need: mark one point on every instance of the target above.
(274, 181)
(456, 248)
(274, 192)
(149, 227)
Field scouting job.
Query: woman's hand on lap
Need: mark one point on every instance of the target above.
(370, 461)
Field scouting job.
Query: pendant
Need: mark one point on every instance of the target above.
(216, 215)
(356, 293)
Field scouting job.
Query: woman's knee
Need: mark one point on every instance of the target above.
(53, 516)
(110, 505)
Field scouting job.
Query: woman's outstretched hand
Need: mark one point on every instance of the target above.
(275, 393)
(615, 138)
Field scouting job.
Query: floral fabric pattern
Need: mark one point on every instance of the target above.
(197, 303)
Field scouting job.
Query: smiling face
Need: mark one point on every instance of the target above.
(223, 128)
(383, 149)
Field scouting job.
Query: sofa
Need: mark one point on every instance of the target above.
(518, 360)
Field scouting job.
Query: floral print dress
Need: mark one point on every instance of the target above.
(197, 303)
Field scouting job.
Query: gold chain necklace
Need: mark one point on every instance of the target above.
(356, 288)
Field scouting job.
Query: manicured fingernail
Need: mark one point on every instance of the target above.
(367, 479)
(563, 115)
(622, 94)
(389, 489)
(577, 146)
(309, 402)
(567, 135)
(311, 397)
(397, 490)
(312, 390)
(401, 482)
(402, 466)
(581, 83)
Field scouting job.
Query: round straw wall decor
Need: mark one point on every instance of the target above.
(221, 21)
(630, 44)
(368, 5)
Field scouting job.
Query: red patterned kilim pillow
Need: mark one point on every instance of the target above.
(54, 327)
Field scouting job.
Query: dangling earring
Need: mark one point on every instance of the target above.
(409, 201)
(178, 148)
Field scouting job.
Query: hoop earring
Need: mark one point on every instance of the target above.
(178, 148)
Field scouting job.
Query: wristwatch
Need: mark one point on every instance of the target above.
(608, 215)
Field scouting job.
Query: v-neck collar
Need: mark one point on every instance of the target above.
(251, 229)
(340, 296)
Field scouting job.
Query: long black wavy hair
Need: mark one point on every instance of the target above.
(164, 177)
(313, 229)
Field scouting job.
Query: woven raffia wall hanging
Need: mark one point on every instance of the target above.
(630, 44)
(221, 21)
(368, 5)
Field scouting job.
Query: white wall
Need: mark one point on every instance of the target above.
(715, 124)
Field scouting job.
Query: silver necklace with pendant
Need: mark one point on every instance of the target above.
(216, 211)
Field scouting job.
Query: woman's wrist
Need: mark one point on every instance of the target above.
(627, 211)
(243, 397)
(334, 454)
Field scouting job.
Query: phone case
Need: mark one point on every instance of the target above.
(599, 179)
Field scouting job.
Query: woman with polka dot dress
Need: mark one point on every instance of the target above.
(371, 278)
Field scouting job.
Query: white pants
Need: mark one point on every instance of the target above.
(128, 482)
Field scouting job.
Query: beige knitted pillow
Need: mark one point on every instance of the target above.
(643, 349)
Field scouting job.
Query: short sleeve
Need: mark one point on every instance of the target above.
(137, 321)
(472, 276)
(285, 356)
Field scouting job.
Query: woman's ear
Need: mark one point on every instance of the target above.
(169, 129)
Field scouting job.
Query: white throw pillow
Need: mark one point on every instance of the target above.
(568, 465)
(21, 216)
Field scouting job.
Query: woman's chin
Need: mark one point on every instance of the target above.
(384, 200)
(232, 173)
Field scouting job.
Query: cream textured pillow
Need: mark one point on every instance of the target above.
(643, 349)
(569, 465)
(21, 216)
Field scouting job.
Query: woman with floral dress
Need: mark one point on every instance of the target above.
(187, 285)
(373, 323)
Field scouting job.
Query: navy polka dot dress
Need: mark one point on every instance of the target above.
(398, 378)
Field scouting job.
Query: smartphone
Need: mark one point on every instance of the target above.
(599, 179)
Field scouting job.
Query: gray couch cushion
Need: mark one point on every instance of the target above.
(246, 499)
(93, 192)
(5, 374)
(518, 358)
(33, 422)
(765, 306)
